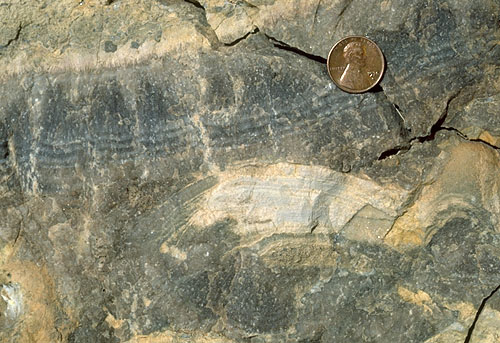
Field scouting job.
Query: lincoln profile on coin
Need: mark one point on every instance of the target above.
(355, 76)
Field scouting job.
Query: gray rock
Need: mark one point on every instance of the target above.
(183, 170)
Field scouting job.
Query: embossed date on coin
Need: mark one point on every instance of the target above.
(356, 64)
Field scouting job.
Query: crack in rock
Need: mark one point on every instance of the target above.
(249, 4)
(233, 43)
(241, 23)
(280, 45)
(478, 314)
(6, 152)
(480, 141)
(438, 125)
(435, 128)
(405, 148)
(464, 136)
(315, 17)
(196, 4)
(210, 33)
(15, 38)
(405, 131)
(393, 151)
(284, 46)
(342, 11)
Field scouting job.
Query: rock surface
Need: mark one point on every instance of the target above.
(183, 171)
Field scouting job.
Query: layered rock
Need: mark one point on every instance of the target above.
(177, 171)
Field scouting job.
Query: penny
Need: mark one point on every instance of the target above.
(356, 64)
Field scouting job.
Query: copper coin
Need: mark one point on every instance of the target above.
(355, 64)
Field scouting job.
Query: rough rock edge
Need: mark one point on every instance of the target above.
(470, 332)
(435, 128)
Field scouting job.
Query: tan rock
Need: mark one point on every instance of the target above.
(420, 298)
(176, 337)
(487, 328)
(31, 307)
(467, 177)
(230, 20)
(87, 35)
(453, 333)
(369, 225)
(286, 198)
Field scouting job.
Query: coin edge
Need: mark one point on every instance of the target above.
(348, 90)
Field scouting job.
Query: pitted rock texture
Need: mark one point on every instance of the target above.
(185, 171)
